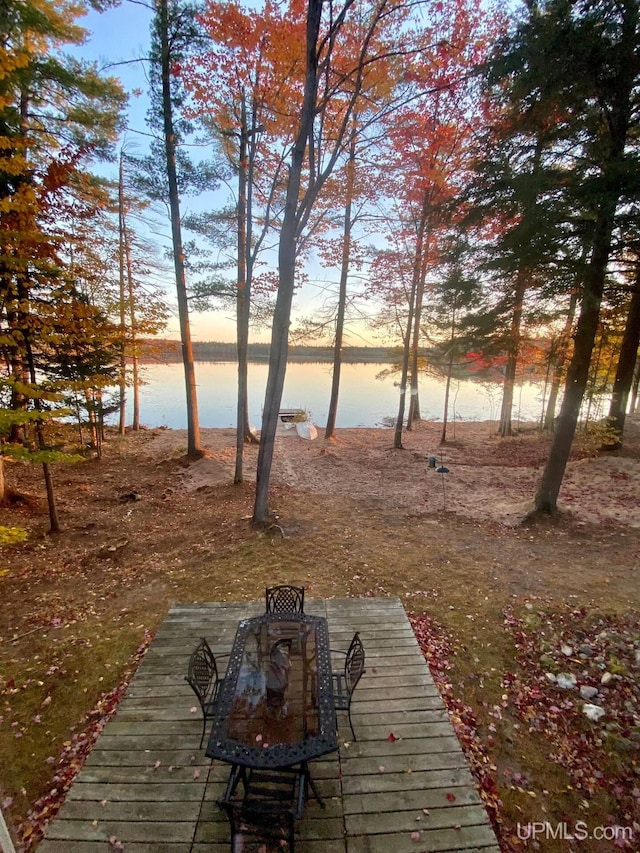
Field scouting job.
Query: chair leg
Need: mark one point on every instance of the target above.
(204, 729)
(350, 723)
(291, 837)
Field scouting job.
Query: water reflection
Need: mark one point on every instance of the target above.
(364, 400)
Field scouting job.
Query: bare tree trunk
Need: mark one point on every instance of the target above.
(624, 371)
(17, 304)
(193, 428)
(244, 276)
(135, 372)
(54, 521)
(342, 294)
(634, 388)
(445, 408)
(546, 499)
(242, 305)
(417, 286)
(93, 402)
(123, 324)
(506, 426)
(286, 271)
(560, 361)
(592, 380)
(397, 437)
(414, 399)
(447, 387)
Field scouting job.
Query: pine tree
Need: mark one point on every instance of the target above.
(55, 113)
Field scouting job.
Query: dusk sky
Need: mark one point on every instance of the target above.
(119, 37)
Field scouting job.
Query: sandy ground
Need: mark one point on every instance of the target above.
(487, 477)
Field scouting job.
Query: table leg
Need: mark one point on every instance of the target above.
(236, 775)
(306, 782)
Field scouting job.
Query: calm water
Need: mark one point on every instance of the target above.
(364, 400)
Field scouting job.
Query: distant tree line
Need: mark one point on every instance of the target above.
(167, 351)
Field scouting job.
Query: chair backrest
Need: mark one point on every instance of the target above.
(354, 663)
(284, 599)
(203, 671)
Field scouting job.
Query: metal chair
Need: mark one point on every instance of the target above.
(204, 681)
(284, 599)
(268, 808)
(344, 683)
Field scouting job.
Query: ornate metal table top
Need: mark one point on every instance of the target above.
(276, 706)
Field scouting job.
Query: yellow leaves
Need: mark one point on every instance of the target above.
(10, 536)
(11, 61)
(21, 201)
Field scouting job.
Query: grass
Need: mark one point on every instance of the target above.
(80, 606)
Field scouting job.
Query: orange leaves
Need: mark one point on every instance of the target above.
(256, 55)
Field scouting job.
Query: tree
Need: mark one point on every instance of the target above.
(174, 33)
(345, 263)
(334, 86)
(241, 89)
(626, 363)
(592, 62)
(515, 192)
(141, 311)
(455, 302)
(55, 113)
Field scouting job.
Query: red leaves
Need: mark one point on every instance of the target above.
(391, 737)
(591, 652)
(438, 651)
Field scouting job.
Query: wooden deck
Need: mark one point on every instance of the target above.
(147, 784)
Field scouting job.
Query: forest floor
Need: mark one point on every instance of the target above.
(507, 612)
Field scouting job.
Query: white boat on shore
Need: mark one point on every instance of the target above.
(296, 422)
(306, 429)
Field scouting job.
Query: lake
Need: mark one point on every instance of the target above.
(365, 401)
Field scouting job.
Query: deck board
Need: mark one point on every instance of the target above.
(148, 785)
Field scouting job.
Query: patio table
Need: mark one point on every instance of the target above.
(275, 707)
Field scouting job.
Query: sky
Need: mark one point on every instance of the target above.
(119, 37)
